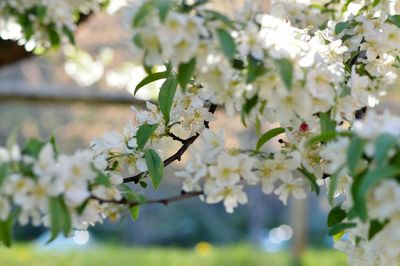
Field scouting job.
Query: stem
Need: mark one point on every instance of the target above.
(176, 156)
(163, 201)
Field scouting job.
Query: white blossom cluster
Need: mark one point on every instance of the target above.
(28, 22)
(317, 14)
(223, 174)
(268, 69)
(372, 39)
(120, 149)
(29, 183)
(381, 200)
(329, 71)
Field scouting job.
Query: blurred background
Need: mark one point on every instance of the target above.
(38, 98)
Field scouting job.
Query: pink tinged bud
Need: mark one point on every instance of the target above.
(304, 127)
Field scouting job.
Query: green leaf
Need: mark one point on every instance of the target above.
(328, 136)
(33, 147)
(155, 167)
(144, 133)
(335, 216)
(137, 40)
(82, 207)
(60, 219)
(41, 12)
(214, 15)
(327, 124)
(375, 227)
(151, 78)
(54, 145)
(376, 2)
(333, 184)
(395, 19)
(338, 228)
(185, 73)
(384, 143)
(69, 35)
(102, 179)
(373, 177)
(268, 136)
(163, 7)
(142, 13)
(187, 8)
(134, 211)
(248, 106)
(324, 137)
(285, 68)
(355, 153)
(166, 97)
(311, 177)
(341, 26)
(227, 43)
(54, 37)
(3, 172)
(359, 209)
(255, 69)
(6, 231)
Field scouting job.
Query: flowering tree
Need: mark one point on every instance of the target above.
(312, 67)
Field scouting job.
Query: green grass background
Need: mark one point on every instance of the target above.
(241, 255)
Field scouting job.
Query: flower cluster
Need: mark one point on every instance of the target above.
(372, 37)
(222, 174)
(41, 23)
(39, 185)
(268, 69)
(367, 190)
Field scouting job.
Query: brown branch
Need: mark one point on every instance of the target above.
(175, 137)
(163, 201)
(176, 156)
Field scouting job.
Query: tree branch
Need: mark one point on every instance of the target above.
(176, 156)
(163, 201)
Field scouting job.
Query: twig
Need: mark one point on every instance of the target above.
(175, 137)
(176, 156)
(164, 201)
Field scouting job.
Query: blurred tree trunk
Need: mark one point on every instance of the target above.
(11, 52)
(298, 218)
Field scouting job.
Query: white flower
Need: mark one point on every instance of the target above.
(319, 83)
(75, 193)
(113, 140)
(280, 167)
(196, 166)
(150, 40)
(213, 144)
(190, 182)
(226, 170)
(358, 85)
(107, 193)
(246, 169)
(335, 154)
(291, 186)
(383, 200)
(266, 170)
(14, 154)
(77, 167)
(90, 215)
(251, 43)
(289, 103)
(232, 196)
(46, 161)
(391, 35)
